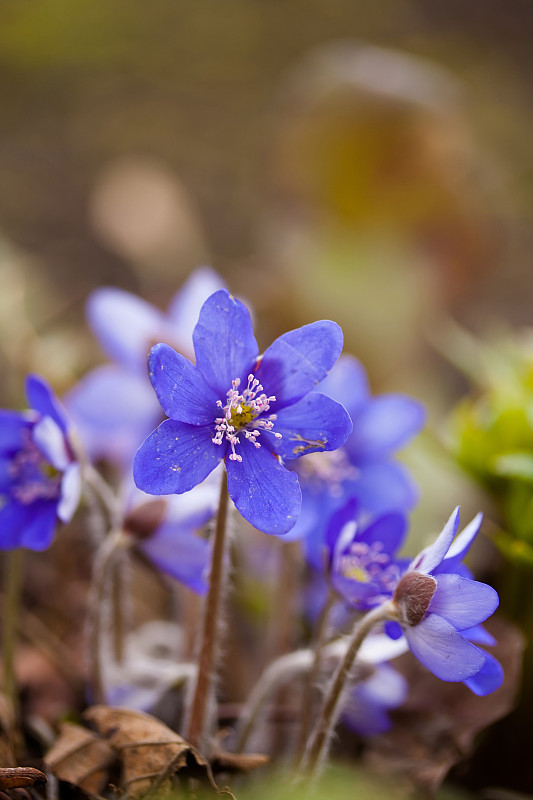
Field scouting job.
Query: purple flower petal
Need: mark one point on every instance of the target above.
(363, 715)
(51, 442)
(41, 397)
(365, 711)
(342, 527)
(125, 325)
(180, 387)
(317, 507)
(347, 384)
(432, 556)
(264, 492)
(314, 424)
(32, 526)
(70, 493)
(175, 457)
(186, 305)
(14, 428)
(479, 635)
(488, 679)
(224, 342)
(6, 476)
(461, 545)
(179, 552)
(386, 424)
(393, 629)
(40, 527)
(113, 410)
(13, 518)
(462, 602)
(390, 530)
(437, 645)
(295, 363)
(384, 487)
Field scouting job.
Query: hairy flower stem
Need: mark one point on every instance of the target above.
(321, 734)
(281, 670)
(198, 712)
(12, 598)
(105, 494)
(104, 567)
(285, 668)
(310, 680)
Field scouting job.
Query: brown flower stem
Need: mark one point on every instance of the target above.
(197, 719)
(104, 566)
(109, 500)
(327, 718)
(309, 688)
(12, 598)
(120, 595)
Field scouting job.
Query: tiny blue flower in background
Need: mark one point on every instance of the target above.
(440, 611)
(367, 704)
(166, 531)
(39, 475)
(246, 410)
(364, 468)
(364, 568)
(113, 406)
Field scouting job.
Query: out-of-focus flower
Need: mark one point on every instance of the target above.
(39, 474)
(365, 467)
(364, 568)
(219, 410)
(437, 608)
(152, 665)
(113, 406)
(166, 531)
(366, 706)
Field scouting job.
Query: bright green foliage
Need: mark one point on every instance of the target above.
(492, 438)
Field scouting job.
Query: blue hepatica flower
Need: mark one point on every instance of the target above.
(364, 567)
(39, 476)
(365, 467)
(113, 406)
(246, 410)
(368, 702)
(440, 611)
(166, 531)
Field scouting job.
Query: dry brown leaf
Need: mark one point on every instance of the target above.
(20, 777)
(151, 753)
(81, 757)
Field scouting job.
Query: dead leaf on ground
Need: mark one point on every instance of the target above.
(81, 757)
(20, 777)
(152, 754)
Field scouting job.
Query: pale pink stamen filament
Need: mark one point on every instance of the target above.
(240, 415)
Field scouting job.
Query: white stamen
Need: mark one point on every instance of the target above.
(249, 406)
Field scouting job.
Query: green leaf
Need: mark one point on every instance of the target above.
(514, 465)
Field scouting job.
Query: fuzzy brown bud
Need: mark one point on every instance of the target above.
(413, 596)
(144, 520)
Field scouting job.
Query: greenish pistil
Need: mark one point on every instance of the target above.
(241, 416)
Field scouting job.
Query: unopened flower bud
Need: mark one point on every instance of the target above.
(413, 596)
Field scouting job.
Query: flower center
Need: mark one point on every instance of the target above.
(33, 478)
(244, 415)
(370, 564)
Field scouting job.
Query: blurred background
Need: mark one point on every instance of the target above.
(369, 163)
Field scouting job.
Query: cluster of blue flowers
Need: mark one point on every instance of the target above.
(39, 473)
(308, 454)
